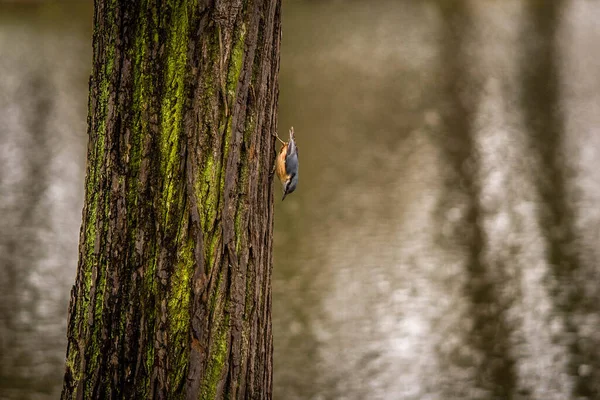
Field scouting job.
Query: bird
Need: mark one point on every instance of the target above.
(286, 164)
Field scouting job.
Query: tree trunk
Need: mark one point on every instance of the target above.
(173, 290)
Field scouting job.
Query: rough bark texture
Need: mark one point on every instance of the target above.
(173, 290)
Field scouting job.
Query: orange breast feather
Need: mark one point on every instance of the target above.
(280, 164)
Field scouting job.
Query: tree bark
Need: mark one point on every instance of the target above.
(173, 291)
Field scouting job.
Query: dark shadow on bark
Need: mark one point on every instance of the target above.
(541, 104)
(490, 335)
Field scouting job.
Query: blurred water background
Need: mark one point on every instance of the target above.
(443, 242)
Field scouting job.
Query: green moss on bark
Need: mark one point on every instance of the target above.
(236, 62)
(173, 98)
(219, 351)
(207, 192)
(179, 316)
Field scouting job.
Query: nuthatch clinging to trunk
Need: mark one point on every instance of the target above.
(286, 164)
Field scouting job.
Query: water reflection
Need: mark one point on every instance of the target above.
(43, 73)
(436, 250)
(443, 240)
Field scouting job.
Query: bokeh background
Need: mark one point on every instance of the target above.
(443, 242)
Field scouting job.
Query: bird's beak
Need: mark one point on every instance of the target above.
(283, 198)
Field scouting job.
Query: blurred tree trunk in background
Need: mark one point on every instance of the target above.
(173, 290)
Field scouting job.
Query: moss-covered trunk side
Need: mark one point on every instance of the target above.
(173, 294)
